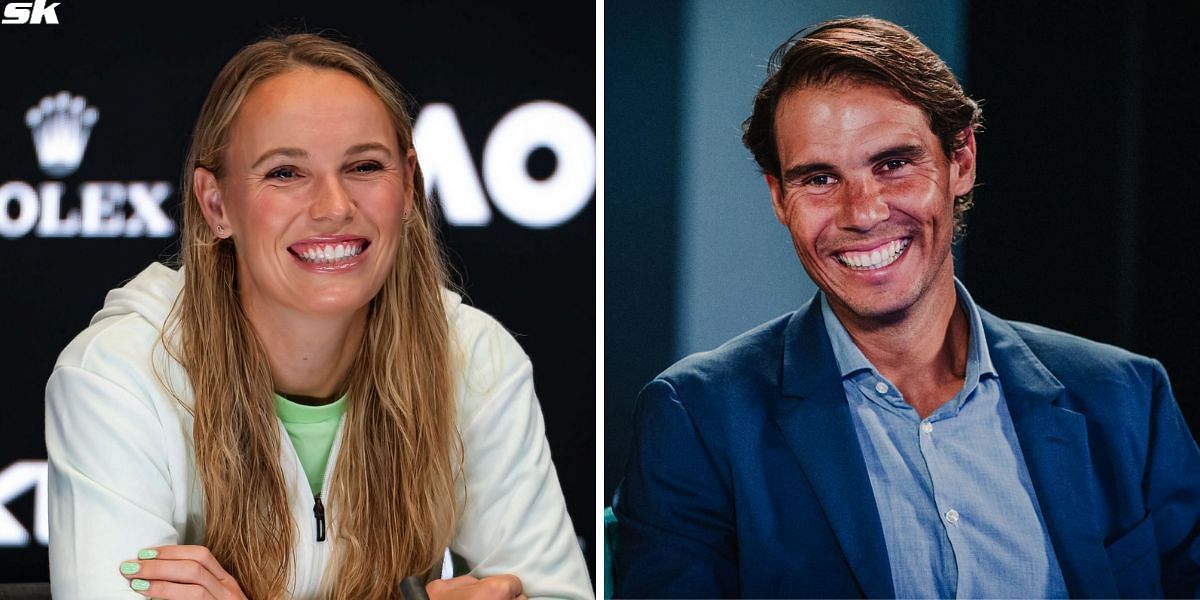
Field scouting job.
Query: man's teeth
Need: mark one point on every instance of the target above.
(875, 259)
(331, 252)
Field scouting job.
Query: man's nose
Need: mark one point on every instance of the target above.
(863, 205)
(333, 202)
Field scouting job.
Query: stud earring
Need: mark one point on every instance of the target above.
(220, 230)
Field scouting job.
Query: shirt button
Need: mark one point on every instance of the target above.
(926, 427)
(952, 516)
(881, 387)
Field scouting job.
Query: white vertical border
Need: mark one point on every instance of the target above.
(598, 546)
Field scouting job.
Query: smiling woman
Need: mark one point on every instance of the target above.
(314, 172)
(301, 409)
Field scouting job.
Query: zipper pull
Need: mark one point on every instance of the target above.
(319, 513)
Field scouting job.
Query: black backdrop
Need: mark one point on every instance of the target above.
(1088, 174)
(146, 69)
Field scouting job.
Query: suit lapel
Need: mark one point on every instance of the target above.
(1055, 446)
(815, 420)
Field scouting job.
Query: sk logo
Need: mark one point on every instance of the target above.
(32, 13)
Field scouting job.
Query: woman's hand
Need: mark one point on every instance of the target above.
(465, 587)
(174, 572)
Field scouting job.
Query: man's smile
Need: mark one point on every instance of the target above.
(875, 258)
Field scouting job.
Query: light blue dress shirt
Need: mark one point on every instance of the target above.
(959, 514)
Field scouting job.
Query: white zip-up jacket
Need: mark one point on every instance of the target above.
(123, 473)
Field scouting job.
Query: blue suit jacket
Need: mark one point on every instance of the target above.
(747, 479)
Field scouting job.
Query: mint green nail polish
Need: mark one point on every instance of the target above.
(129, 568)
(139, 585)
(147, 554)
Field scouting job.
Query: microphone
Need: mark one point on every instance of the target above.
(413, 588)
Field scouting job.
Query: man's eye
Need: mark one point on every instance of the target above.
(893, 164)
(820, 180)
(282, 173)
(367, 167)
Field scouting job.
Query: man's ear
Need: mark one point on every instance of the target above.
(962, 163)
(208, 194)
(776, 188)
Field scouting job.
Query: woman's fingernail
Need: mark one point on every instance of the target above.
(129, 568)
(147, 554)
(139, 585)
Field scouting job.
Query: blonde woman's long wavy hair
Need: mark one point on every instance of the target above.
(392, 494)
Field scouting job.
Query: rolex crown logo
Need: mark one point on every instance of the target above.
(61, 126)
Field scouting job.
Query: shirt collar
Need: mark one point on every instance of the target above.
(851, 360)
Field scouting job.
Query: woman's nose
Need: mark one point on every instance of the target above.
(333, 202)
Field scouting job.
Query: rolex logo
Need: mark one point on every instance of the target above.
(61, 126)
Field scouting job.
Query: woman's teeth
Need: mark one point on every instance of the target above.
(329, 253)
(875, 259)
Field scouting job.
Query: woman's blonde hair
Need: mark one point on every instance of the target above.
(392, 494)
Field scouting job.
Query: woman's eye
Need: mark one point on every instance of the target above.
(282, 173)
(367, 167)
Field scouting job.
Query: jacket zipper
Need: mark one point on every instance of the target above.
(319, 513)
(318, 506)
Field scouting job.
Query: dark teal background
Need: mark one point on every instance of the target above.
(1087, 177)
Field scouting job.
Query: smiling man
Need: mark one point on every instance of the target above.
(890, 437)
